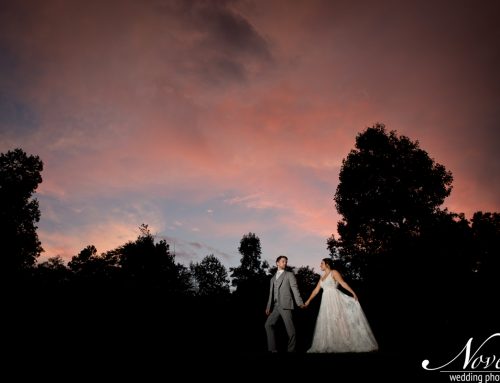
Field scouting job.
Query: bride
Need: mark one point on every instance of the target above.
(341, 325)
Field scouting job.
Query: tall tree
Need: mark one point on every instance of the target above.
(210, 276)
(389, 190)
(252, 270)
(20, 176)
(145, 263)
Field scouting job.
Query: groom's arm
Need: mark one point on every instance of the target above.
(268, 307)
(295, 289)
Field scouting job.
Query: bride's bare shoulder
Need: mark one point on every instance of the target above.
(336, 275)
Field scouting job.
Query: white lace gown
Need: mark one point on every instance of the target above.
(341, 325)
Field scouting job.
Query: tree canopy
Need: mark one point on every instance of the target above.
(252, 270)
(20, 175)
(210, 276)
(389, 189)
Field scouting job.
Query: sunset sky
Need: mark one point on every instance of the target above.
(211, 119)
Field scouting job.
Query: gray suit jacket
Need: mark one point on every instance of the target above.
(287, 285)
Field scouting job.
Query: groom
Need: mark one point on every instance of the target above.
(280, 303)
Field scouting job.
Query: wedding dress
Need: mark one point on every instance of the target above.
(341, 325)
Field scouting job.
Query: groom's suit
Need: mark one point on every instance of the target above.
(282, 292)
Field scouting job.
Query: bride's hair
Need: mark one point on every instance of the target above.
(329, 262)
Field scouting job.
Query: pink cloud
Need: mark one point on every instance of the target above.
(253, 103)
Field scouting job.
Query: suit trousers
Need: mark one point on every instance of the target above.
(271, 321)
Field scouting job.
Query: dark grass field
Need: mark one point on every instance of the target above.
(178, 341)
(150, 360)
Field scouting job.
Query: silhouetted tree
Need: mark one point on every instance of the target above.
(146, 264)
(52, 273)
(93, 270)
(210, 277)
(307, 279)
(20, 175)
(252, 270)
(79, 262)
(252, 285)
(394, 235)
(443, 250)
(389, 190)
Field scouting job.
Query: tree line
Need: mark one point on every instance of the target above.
(394, 239)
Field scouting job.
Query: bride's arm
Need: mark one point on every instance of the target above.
(313, 294)
(336, 275)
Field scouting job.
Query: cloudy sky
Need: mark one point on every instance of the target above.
(211, 119)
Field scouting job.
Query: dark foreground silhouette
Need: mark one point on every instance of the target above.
(146, 336)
